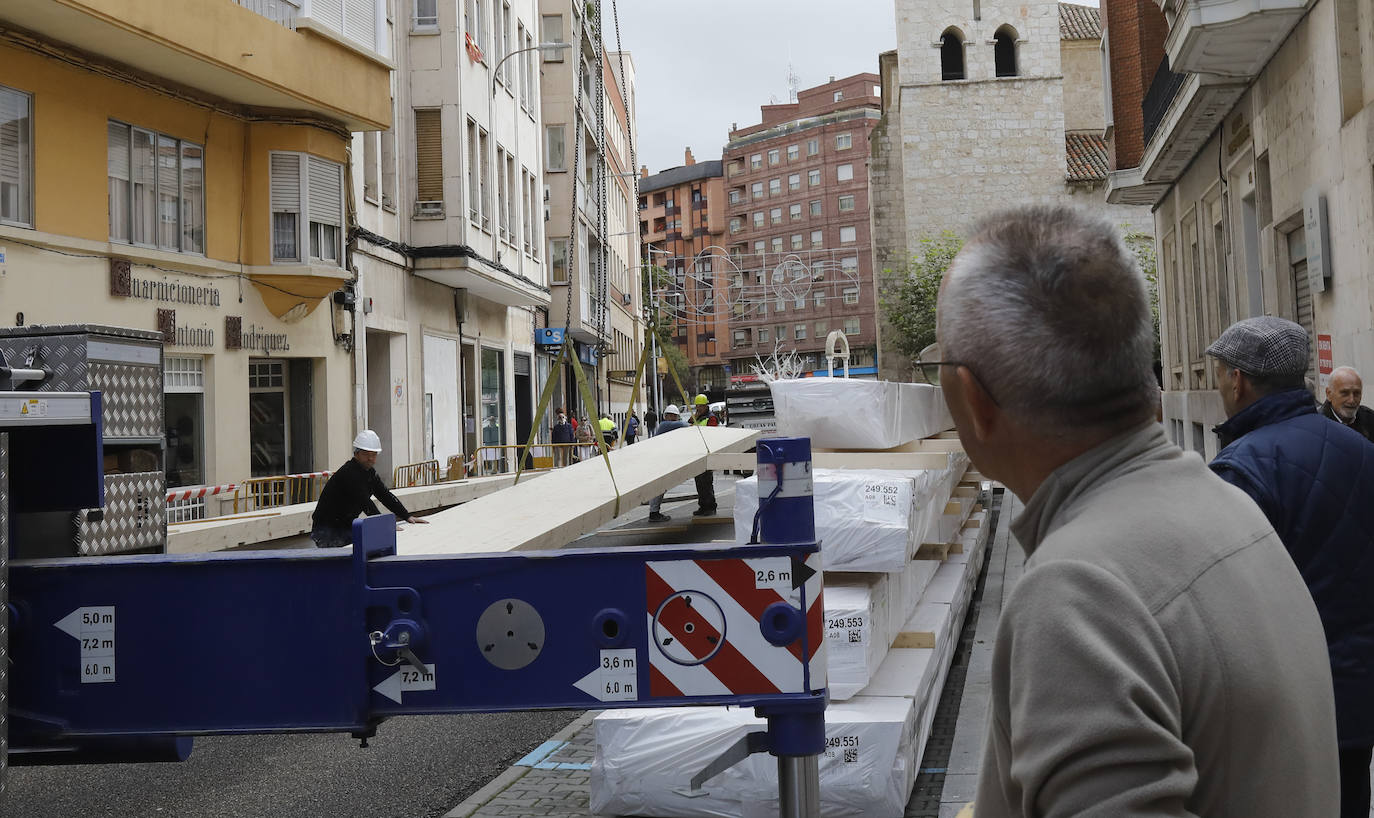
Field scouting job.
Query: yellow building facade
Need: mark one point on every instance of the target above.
(182, 165)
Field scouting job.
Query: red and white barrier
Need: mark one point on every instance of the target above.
(179, 495)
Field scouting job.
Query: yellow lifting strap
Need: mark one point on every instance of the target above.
(596, 431)
(555, 372)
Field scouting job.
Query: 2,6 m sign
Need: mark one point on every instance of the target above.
(94, 630)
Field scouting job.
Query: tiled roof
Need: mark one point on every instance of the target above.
(680, 174)
(1079, 22)
(1086, 155)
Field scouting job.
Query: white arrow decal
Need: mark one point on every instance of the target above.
(407, 678)
(615, 678)
(391, 687)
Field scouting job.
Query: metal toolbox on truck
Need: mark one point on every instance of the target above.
(125, 366)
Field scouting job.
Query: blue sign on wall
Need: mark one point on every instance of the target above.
(549, 336)
(588, 354)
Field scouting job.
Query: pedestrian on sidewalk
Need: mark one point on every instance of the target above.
(1343, 394)
(671, 420)
(631, 429)
(608, 431)
(706, 481)
(1314, 481)
(562, 435)
(349, 493)
(1160, 655)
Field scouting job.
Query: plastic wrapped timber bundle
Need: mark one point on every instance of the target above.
(936, 525)
(838, 413)
(911, 584)
(858, 617)
(866, 520)
(645, 759)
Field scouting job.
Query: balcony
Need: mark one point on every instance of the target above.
(321, 57)
(1229, 38)
(483, 279)
(1181, 112)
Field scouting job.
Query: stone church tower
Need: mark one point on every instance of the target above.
(986, 103)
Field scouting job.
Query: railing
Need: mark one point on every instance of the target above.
(278, 11)
(280, 490)
(489, 460)
(424, 473)
(1162, 92)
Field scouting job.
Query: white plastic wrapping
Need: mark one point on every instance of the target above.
(644, 757)
(839, 413)
(866, 520)
(858, 616)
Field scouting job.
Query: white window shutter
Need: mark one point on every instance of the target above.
(12, 115)
(329, 12)
(118, 155)
(286, 183)
(360, 22)
(325, 194)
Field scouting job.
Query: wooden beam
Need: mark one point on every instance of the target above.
(566, 503)
(933, 551)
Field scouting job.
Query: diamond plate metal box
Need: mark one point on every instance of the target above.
(125, 365)
(135, 516)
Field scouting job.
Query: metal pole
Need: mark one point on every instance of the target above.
(799, 787)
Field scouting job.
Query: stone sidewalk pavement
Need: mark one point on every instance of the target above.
(554, 779)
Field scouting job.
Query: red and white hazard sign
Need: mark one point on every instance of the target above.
(704, 625)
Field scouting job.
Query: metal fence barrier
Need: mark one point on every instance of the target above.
(280, 490)
(424, 473)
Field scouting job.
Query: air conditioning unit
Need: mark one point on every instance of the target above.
(429, 210)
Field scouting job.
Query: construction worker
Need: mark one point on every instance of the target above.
(608, 430)
(349, 492)
(706, 489)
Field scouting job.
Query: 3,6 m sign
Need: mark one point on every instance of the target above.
(94, 630)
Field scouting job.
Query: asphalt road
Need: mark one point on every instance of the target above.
(416, 767)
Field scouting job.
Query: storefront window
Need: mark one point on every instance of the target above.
(184, 415)
(493, 397)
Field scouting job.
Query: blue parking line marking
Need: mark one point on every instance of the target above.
(540, 753)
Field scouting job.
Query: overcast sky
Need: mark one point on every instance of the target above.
(703, 64)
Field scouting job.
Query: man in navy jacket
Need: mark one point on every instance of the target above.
(1314, 480)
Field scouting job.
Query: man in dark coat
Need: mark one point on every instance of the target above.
(349, 493)
(1343, 394)
(1314, 480)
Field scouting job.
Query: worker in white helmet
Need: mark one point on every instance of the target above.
(349, 492)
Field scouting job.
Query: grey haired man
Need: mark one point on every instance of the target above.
(1160, 640)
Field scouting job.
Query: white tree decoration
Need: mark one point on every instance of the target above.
(780, 366)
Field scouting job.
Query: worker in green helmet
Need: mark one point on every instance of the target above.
(706, 488)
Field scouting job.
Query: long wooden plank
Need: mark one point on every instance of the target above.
(252, 528)
(744, 461)
(566, 503)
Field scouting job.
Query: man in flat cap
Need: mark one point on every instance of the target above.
(1314, 480)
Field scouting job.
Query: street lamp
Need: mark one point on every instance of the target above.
(543, 48)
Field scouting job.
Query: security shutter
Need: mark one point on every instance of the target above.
(286, 183)
(13, 131)
(360, 22)
(325, 194)
(329, 12)
(1302, 291)
(429, 160)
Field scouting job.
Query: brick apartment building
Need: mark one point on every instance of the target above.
(800, 262)
(681, 228)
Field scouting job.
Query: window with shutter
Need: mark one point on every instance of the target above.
(286, 206)
(360, 22)
(192, 198)
(118, 173)
(168, 193)
(328, 12)
(143, 176)
(429, 159)
(324, 202)
(16, 146)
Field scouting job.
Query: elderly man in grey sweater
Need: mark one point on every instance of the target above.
(1161, 655)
